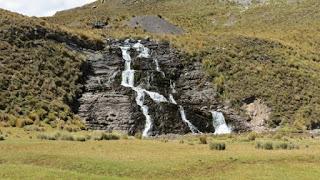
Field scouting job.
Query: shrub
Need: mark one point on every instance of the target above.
(98, 137)
(23, 122)
(138, 135)
(203, 139)
(88, 137)
(293, 146)
(268, 146)
(252, 136)
(264, 145)
(33, 128)
(124, 136)
(2, 138)
(47, 137)
(271, 145)
(81, 138)
(283, 145)
(165, 140)
(71, 128)
(67, 137)
(278, 136)
(259, 145)
(110, 136)
(217, 146)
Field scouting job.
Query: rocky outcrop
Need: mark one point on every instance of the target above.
(259, 114)
(108, 105)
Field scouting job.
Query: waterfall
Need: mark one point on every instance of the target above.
(183, 115)
(144, 51)
(184, 119)
(128, 81)
(172, 100)
(173, 86)
(219, 123)
(145, 110)
(127, 74)
(156, 62)
(192, 128)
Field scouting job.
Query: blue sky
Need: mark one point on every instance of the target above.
(40, 7)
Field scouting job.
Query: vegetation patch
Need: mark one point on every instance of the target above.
(203, 139)
(276, 145)
(217, 146)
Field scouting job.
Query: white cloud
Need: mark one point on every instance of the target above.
(40, 7)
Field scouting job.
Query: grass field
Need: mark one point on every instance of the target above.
(23, 156)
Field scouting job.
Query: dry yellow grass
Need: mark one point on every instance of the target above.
(153, 159)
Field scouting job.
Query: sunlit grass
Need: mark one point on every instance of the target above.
(154, 159)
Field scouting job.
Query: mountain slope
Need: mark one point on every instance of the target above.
(267, 50)
(39, 74)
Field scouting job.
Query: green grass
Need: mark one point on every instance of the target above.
(153, 159)
(39, 78)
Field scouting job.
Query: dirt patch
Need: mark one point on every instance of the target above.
(154, 24)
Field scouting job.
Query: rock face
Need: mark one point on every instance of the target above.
(259, 113)
(108, 105)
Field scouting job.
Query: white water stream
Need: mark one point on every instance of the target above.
(128, 81)
(183, 115)
(219, 123)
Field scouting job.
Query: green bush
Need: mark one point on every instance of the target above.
(80, 138)
(282, 145)
(138, 135)
(33, 128)
(98, 137)
(264, 145)
(278, 136)
(252, 136)
(67, 137)
(217, 146)
(268, 146)
(275, 145)
(44, 136)
(110, 136)
(203, 139)
(2, 138)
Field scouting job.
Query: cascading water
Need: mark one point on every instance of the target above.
(192, 128)
(156, 62)
(128, 81)
(127, 74)
(144, 51)
(219, 123)
(184, 118)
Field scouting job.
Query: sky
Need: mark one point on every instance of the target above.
(40, 7)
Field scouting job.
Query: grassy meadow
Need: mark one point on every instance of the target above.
(23, 155)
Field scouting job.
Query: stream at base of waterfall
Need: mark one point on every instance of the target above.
(128, 81)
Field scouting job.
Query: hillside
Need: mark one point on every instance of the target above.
(162, 89)
(266, 50)
(39, 74)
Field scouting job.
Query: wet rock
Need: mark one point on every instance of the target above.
(108, 105)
